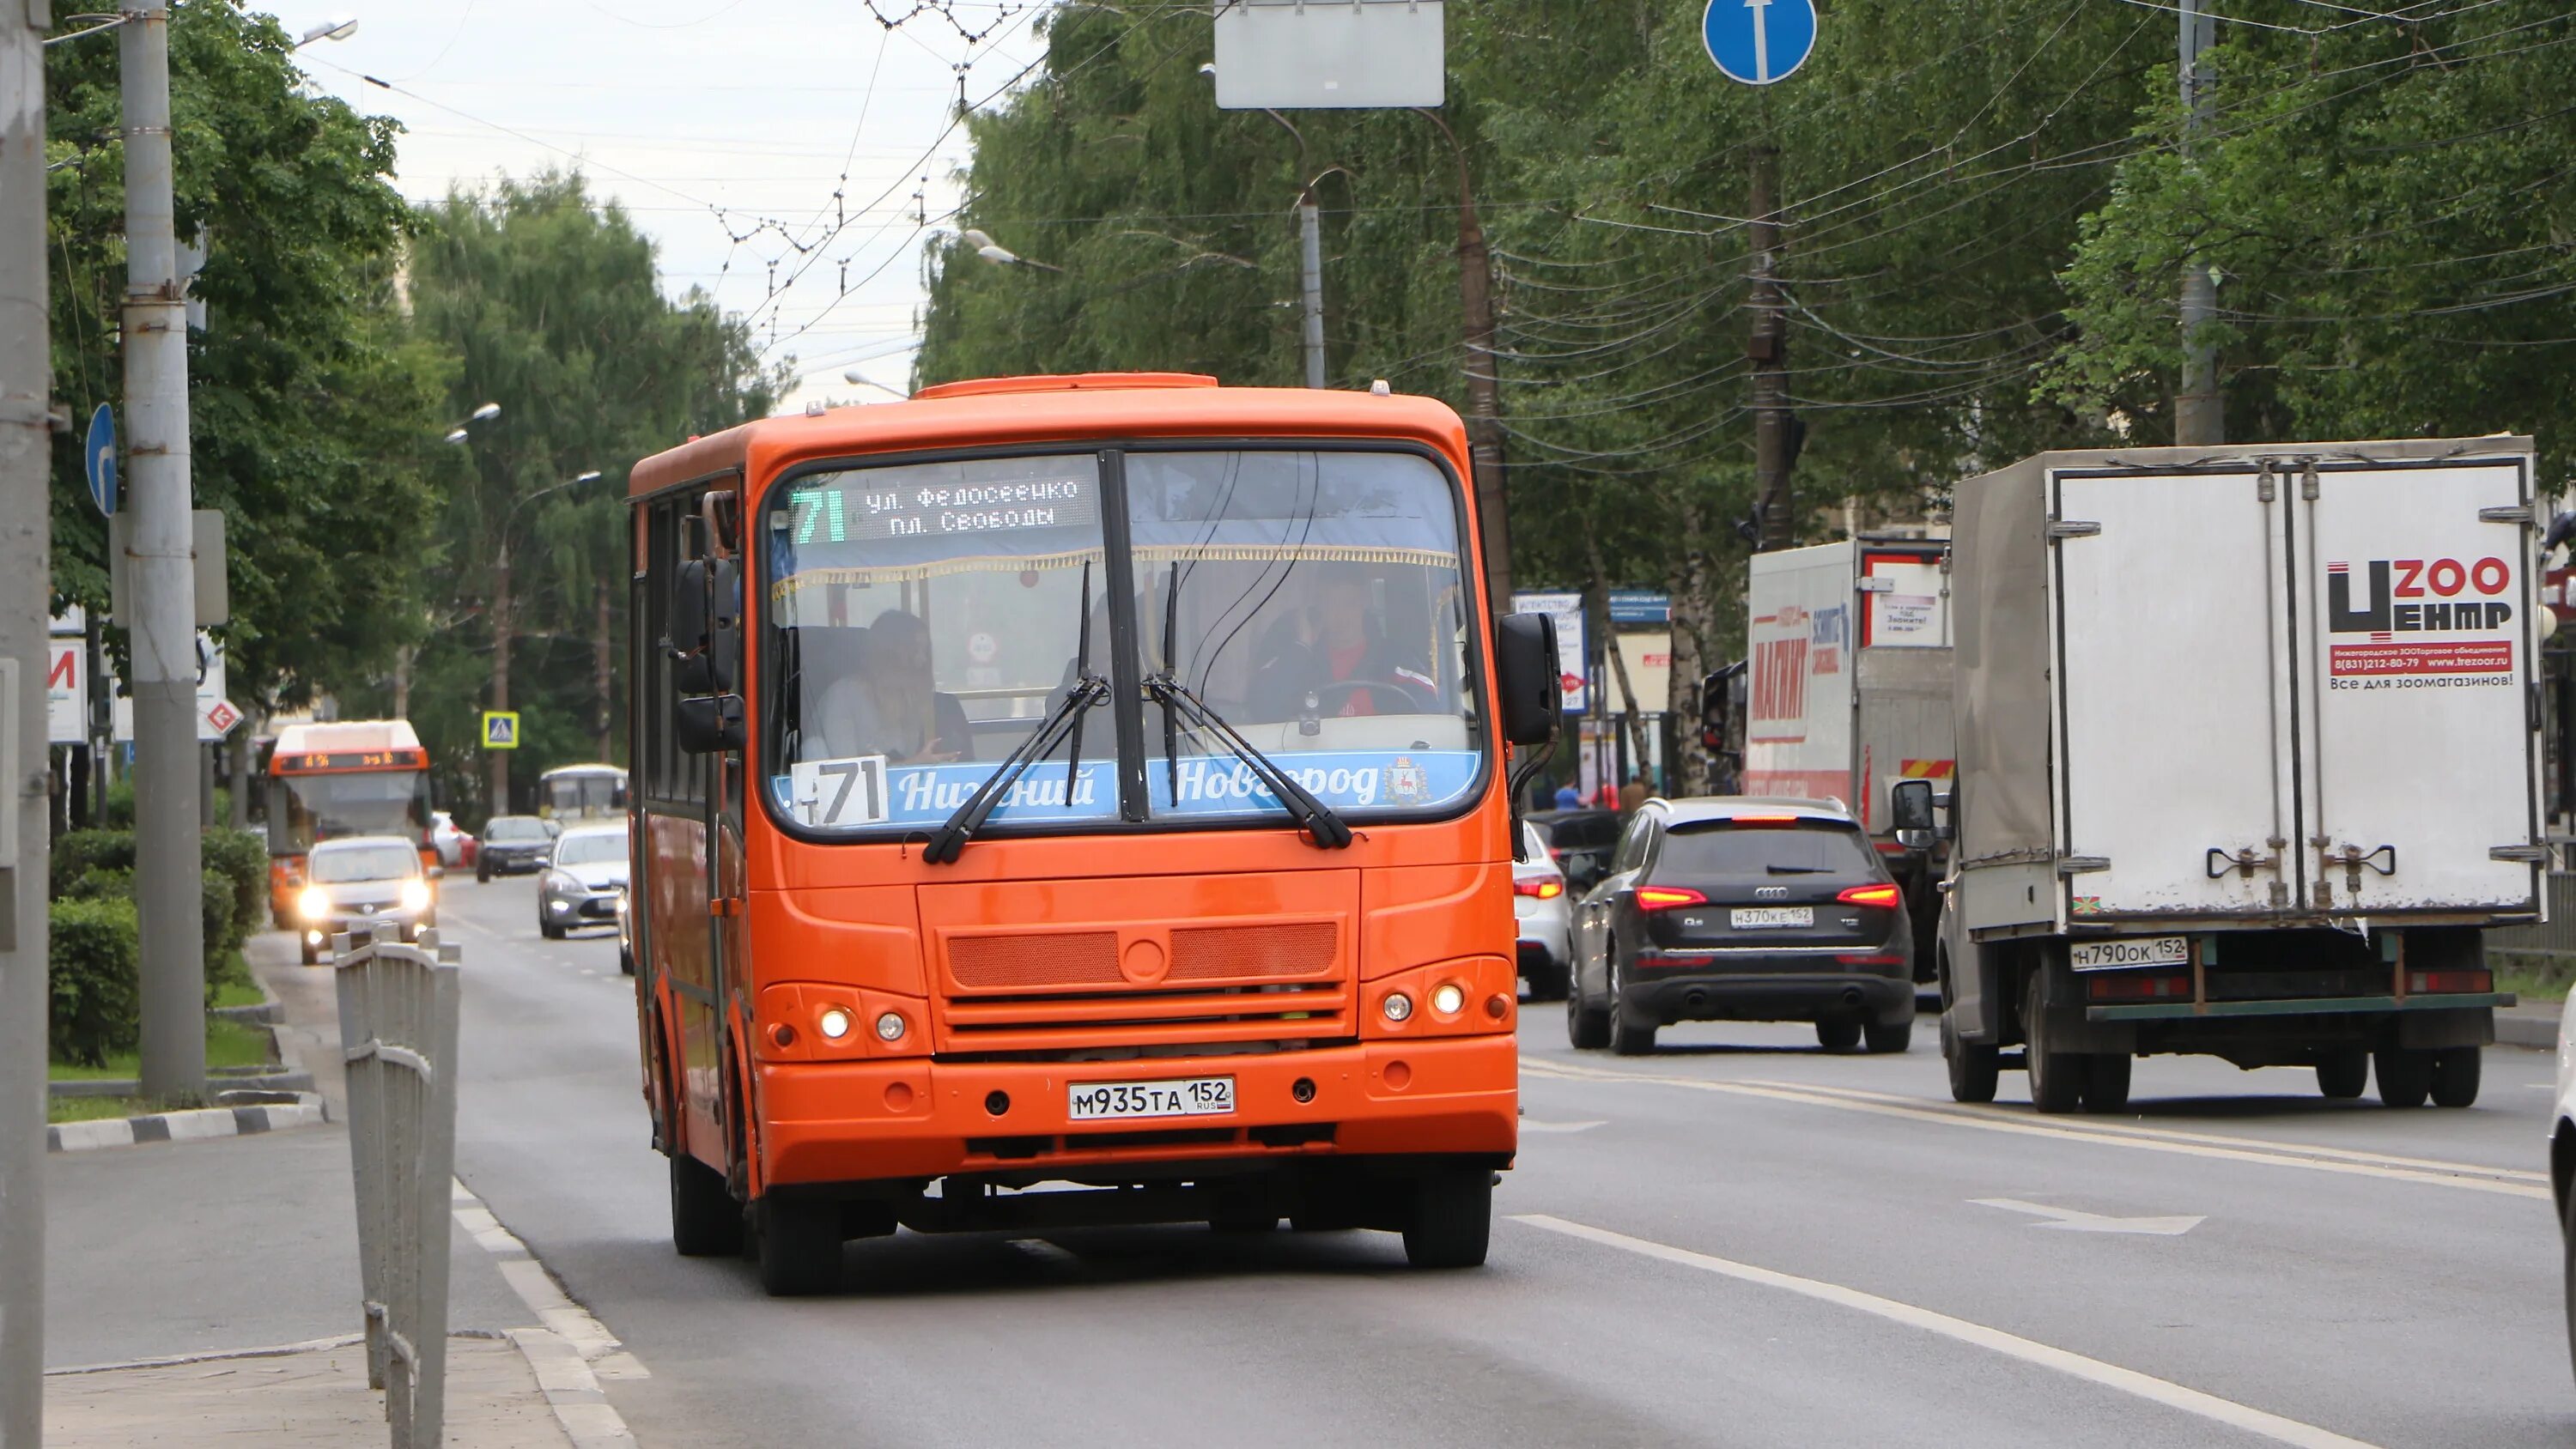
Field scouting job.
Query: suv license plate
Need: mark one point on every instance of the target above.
(2141, 951)
(1113, 1101)
(1770, 918)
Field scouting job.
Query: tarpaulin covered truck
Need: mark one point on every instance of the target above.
(2249, 758)
(1848, 689)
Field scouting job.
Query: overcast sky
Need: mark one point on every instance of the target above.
(723, 126)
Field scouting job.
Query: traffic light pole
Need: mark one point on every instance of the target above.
(26, 392)
(161, 618)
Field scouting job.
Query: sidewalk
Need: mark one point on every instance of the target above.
(2532, 1024)
(208, 1292)
(309, 1399)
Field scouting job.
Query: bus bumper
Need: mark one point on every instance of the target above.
(827, 1122)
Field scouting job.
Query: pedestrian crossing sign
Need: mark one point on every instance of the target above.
(500, 730)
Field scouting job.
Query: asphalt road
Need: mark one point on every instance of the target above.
(1738, 1241)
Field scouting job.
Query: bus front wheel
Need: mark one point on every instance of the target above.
(1452, 1218)
(799, 1247)
(705, 1220)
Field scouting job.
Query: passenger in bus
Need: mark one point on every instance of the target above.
(888, 707)
(1332, 657)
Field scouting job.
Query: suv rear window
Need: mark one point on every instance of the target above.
(1717, 849)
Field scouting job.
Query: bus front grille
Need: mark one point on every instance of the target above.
(1213, 1020)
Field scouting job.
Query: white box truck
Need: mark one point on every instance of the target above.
(2248, 759)
(1848, 689)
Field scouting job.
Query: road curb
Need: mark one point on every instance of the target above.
(194, 1125)
(2515, 1029)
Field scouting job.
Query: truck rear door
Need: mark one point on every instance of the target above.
(2172, 759)
(2417, 675)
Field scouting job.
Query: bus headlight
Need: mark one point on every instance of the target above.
(415, 895)
(835, 1023)
(1447, 999)
(890, 1026)
(1398, 1006)
(314, 904)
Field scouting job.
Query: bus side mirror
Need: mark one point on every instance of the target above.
(1909, 805)
(709, 724)
(1525, 665)
(706, 624)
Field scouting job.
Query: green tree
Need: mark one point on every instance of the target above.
(553, 307)
(314, 405)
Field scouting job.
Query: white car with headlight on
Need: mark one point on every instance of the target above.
(372, 883)
(585, 879)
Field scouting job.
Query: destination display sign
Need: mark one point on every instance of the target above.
(354, 760)
(845, 509)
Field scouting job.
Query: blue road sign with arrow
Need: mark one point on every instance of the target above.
(98, 459)
(1759, 42)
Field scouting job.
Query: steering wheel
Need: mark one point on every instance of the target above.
(1328, 697)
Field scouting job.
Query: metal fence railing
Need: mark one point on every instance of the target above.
(2556, 936)
(398, 1013)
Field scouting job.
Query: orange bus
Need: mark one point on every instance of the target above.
(347, 777)
(1075, 800)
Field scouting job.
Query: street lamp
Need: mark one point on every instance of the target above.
(1002, 256)
(1310, 228)
(854, 376)
(483, 414)
(336, 29)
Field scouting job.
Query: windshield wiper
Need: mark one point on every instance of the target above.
(1089, 689)
(1324, 829)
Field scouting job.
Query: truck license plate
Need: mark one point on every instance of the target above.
(1770, 918)
(2143, 951)
(1188, 1097)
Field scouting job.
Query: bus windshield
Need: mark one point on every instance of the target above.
(923, 620)
(582, 793)
(305, 808)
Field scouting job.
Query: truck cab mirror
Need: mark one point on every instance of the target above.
(709, 724)
(1910, 806)
(1525, 666)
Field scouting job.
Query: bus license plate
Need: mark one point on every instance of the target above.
(2144, 951)
(1770, 918)
(1188, 1097)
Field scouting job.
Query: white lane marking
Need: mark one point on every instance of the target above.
(2133, 1129)
(2012, 1345)
(573, 1351)
(2069, 1220)
(1532, 1124)
(2454, 1175)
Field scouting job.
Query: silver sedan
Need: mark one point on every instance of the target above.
(585, 879)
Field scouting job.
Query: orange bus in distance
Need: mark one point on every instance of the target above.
(1075, 800)
(346, 777)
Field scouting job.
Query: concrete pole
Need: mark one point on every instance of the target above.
(1484, 384)
(162, 615)
(25, 573)
(2200, 409)
(1768, 349)
(1310, 223)
(496, 763)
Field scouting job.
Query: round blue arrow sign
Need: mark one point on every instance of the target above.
(98, 459)
(1759, 42)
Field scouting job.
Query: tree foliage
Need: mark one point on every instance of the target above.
(313, 404)
(551, 305)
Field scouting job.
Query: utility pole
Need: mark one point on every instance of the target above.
(2200, 410)
(26, 573)
(162, 615)
(496, 763)
(1768, 350)
(1310, 227)
(1484, 384)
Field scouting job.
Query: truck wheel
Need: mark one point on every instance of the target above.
(1888, 1038)
(1837, 1036)
(2343, 1073)
(2056, 1077)
(705, 1220)
(800, 1247)
(2405, 1075)
(2106, 1082)
(2455, 1076)
(1452, 1218)
(1973, 1068)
